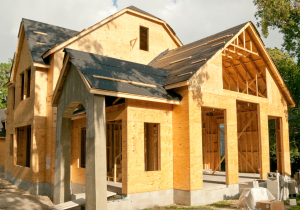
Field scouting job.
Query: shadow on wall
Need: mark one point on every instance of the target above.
(196, 83)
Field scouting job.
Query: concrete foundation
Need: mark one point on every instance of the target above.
(40, 188)
(143, 200)
(2, 169)
(206, 196)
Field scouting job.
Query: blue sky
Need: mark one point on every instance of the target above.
(190, 19)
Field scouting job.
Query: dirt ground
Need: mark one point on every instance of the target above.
(12, 198)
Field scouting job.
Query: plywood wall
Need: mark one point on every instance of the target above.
(248, 143)
(115, 112)
(210, 141)
(23, 114)
(113, 39)
(2, 151)
(139, 180)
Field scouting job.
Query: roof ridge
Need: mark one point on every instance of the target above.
(49, 24)
(178, 48)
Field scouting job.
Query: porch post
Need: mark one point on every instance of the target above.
(231, 145)
(263, 138)
(62, 174)
(95, 173)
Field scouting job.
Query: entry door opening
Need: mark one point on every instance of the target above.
(248, 137)
(213, 139)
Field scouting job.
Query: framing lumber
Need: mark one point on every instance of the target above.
(115, 101)
(244, 49)
(255, 67)
(219, 164)
(124, 81)
(246, 126)
(247, 161)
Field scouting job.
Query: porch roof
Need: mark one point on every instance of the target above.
(111, 74)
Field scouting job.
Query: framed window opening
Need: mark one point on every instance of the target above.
(22, 86)
(144, 38)
(28, 83)
(82, 148)
(11, 151)
(152, 147)
(23, 146)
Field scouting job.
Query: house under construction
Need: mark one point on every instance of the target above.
(124, 106)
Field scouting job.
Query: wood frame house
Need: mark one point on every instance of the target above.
(125, 102)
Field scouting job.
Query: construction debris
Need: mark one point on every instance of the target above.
(250, 197)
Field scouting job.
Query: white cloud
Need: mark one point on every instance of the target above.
(190, 19)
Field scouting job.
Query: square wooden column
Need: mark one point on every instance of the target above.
(263, 137)
(286, 160)
(231, 145)
(195, 144)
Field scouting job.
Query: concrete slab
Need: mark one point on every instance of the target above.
(219, 179)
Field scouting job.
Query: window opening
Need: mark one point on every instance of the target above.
(11, 144)
(144, 40)
(28, 82)
(83, 149)
(152, 146)
(22, 86)
(24, 146)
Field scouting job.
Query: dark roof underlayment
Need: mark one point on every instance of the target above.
(97, 65)
(55, 35)
(185, 67)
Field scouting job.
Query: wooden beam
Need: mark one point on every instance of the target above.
(124, 81)
(115, 101)
(246, 126)
(255, 67)
(235, 52)
(244, 49)
(229, 75)
(219, 165)
(246, 161)
(252, 81)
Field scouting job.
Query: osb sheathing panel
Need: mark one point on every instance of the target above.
(248, 142)
(77, 173)
(22, 115)
(209, 78)
(195, 144)
(2, 151)
(210, 139)
(138, 180)
(181, 150)
(113, 39)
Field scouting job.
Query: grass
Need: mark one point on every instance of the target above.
(294, 207)
(218, 205)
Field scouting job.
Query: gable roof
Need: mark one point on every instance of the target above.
(42, 37)
(131, 10)
(120, 76)
(196, 54)
(185, 61)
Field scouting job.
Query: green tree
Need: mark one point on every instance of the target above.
(290, 72)
(4, 77)
(283, 15)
